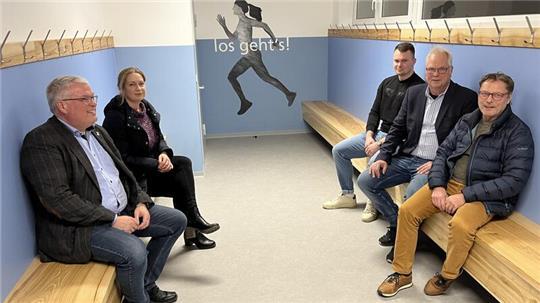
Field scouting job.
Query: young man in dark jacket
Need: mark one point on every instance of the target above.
(477, 174)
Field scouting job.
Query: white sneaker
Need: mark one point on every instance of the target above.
(341, 201)
(370, 213)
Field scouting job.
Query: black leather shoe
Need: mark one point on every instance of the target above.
(389, 238)
(200, 241)
(196, 221)
(390, 256)
(161, 296)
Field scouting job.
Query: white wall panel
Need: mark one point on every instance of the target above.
(291, 18)
(133, 23)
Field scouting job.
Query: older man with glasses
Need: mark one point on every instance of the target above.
(477, 174)
(427, 115)
(88, 205)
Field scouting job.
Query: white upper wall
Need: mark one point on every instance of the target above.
(343, 12)
(133, 23)
(286, 18)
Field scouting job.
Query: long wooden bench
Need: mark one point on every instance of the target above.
(66, 283)
(505, 258)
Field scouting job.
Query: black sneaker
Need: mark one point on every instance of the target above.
(390, 256)
(389, 238)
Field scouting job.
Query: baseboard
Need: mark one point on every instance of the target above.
(260, 133)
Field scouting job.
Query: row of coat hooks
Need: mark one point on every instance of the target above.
(16, 53)
(366, 27)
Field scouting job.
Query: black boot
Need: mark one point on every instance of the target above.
(193, 237)
(389, 238)
(196, 221)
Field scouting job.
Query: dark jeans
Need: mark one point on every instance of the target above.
(139, 266)
(177, 184)
(401, 170)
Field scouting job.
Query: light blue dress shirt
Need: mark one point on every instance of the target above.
(112, 190)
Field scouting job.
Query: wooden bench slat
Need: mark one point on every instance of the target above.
(505, 258)
(66, 283)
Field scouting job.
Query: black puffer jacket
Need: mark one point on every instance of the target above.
(131, 139)
(500, 162)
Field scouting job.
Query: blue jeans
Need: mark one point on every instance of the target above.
(138, 266)
(349, 149)
(401, 170)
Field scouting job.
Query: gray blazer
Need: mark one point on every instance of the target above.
(64, 190)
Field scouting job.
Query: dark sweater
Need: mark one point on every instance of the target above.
(388, 101)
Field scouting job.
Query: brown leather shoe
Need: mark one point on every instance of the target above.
(394, 283)
(437, 285)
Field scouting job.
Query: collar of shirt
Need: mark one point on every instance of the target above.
(431, 99)
(75, 131)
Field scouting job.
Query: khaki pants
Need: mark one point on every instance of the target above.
(462, 230)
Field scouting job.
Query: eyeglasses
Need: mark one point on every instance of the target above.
(85, 100)
(440, 70)
(496, 96)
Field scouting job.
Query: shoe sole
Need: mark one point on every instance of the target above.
(393, 294)
(338, 207)
(195, 246)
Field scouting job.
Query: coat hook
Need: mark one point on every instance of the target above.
(43, 44)
(498, 41)
(471, 31)
(357, 27)
(2, 47)
(24, 47)
(58, 43)
(101, 38)
(376, 30)
(108, 37)
(83, 38)
(449, 31)
(399, 29)
(343, 27)
(92, 41)
(413, 30)
(429, 29)
(533, 32)
(365, 26)
(73, 40)
(387, 31)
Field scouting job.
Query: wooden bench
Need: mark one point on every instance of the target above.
(66, 283)
(505, 258)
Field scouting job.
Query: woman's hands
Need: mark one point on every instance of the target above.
(221, 20)
(164, 163)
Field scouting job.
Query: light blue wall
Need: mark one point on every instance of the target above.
(356, 67)
(23, 107)
(171, 88)
(302, 69)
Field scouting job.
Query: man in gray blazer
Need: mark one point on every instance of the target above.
(87, 203)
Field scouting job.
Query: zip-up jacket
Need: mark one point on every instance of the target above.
(499, 165)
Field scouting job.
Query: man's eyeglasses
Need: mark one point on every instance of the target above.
(496, 96)
(85, 100)
(440, 70)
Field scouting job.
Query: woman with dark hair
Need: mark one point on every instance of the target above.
(133, 123)
(252, 57)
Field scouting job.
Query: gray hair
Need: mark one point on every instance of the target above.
(440, 50)
(499, 76)
(58, 86)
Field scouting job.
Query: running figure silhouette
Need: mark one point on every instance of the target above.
(252, 57)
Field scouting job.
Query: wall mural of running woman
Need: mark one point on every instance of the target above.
(252, 57)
